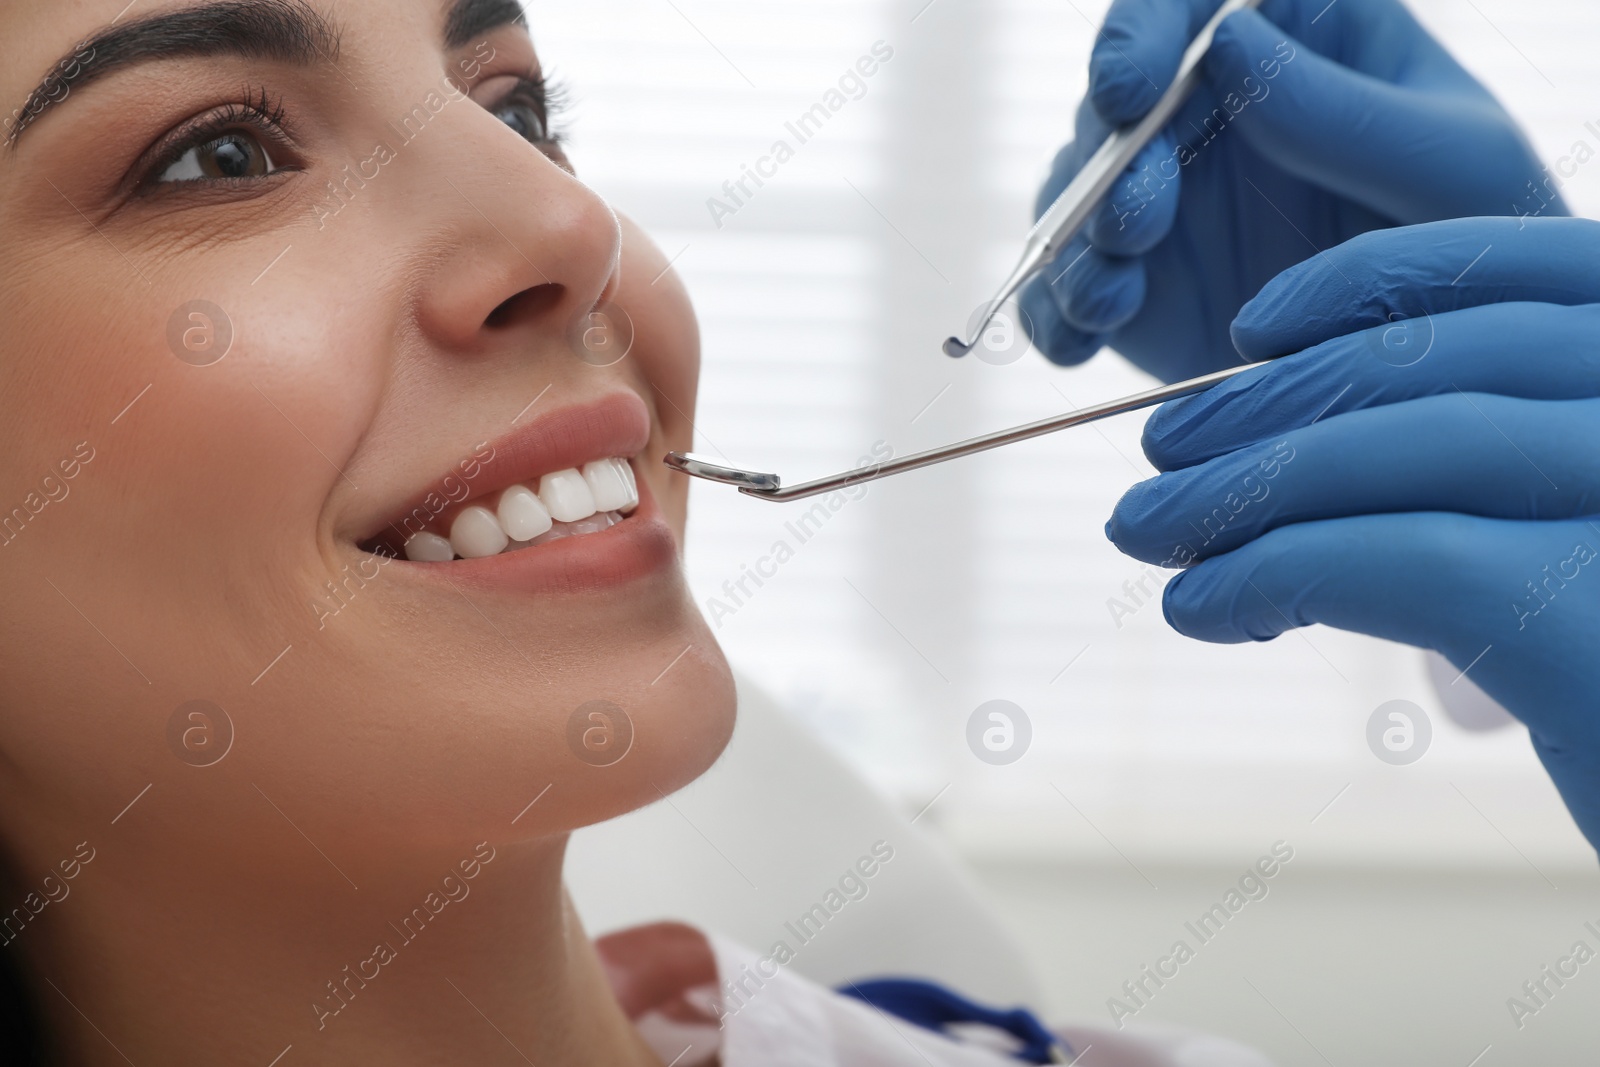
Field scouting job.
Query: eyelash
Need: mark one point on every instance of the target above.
(547, 97)
(259, 111)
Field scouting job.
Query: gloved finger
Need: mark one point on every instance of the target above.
(1473, 350)
(1070, 160)
(1388, 275)
(1378, 37)
(1476, 454)
(1411, 156)
(1095, 293)
(1061, 343)
(1136, 54)
(1410, 577)
(1141, 208)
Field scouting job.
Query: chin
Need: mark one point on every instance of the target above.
(645, 740)
(681, 725)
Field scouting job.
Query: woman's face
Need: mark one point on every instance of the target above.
(284, 282)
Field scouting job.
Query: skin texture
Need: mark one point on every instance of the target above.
(397, 734)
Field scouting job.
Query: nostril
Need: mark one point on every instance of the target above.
(526, 305)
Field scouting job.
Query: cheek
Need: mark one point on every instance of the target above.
(214, 476)
(249, 451)
(199, 508)
(666, 348)
(665, 359)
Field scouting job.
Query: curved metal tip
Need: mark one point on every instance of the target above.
(696, 467)
(955, 347)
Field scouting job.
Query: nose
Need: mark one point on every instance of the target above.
(522, 243)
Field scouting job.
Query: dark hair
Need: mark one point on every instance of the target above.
(21, 1037)
(22, 1033)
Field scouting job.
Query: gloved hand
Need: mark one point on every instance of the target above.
(1315, 122)
(1424, 467)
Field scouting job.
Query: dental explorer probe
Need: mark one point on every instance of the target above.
(770, 486)
(1063, 219)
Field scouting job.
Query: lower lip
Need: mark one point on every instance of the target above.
(636, 548)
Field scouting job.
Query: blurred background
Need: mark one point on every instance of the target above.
(1420, 896)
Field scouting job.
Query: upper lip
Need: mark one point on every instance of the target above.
(617, 424)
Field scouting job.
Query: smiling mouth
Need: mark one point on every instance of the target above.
(567, 503)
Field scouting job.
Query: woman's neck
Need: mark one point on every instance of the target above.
(476, 957)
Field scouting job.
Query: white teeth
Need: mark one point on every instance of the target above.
(476, 533)
(567, 503)
(609, 481)
(567, 496)
(523, 514)
(429, 548)
(633, 486)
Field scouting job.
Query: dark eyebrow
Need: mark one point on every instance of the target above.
(469, 18)
(290, 31)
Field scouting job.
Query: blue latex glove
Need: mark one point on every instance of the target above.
(1433, 480)
(1350, 118)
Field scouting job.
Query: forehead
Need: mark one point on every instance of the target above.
(81, 41)
(36, 32)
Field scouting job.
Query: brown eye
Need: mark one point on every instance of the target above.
(234, 155)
